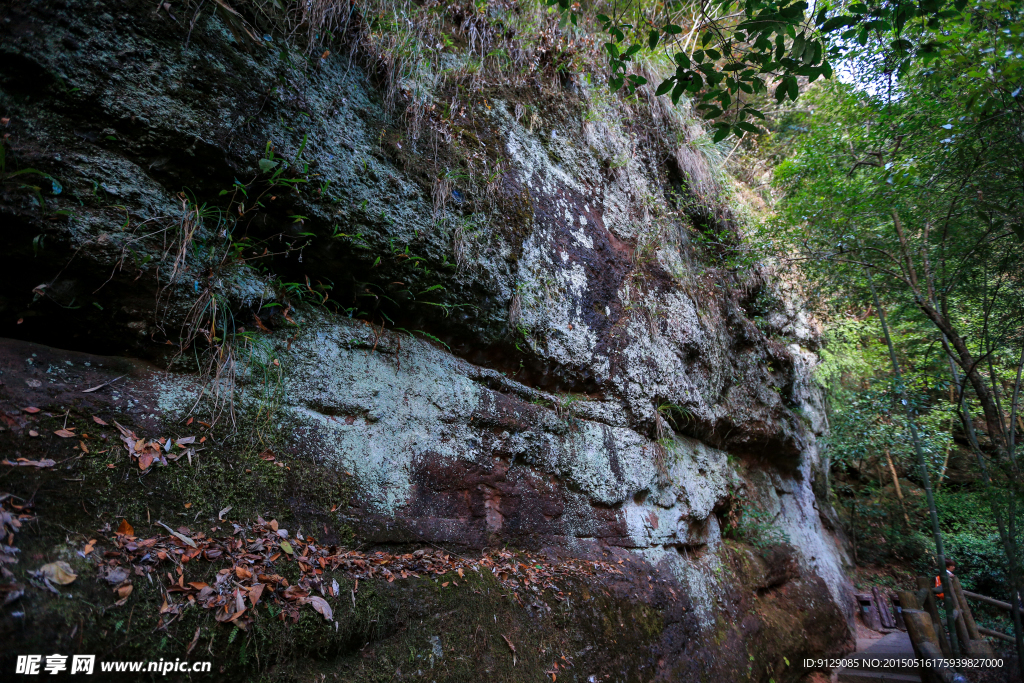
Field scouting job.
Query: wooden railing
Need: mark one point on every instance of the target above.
(929, 638)
(995, 603)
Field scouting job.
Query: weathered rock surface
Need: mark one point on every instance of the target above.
(538, 359)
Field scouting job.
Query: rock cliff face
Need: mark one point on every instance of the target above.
(508, 318)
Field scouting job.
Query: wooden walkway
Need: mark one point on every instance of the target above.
(893, 646)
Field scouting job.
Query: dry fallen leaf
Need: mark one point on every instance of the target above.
(89, 547)
(125, 528)
(182, 537)
(321, 606)
(145, 460)
(124, 591)
(220, 515)
(100, 386)
(85, 449)
(195, 639)
(58, 572)
(98, 421)
(64, 433)
(31, 410)
(188, 505)
(25, 462)
(116, 575)
(33, 432)
(511, 647)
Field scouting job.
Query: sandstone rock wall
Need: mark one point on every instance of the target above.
(533, 345)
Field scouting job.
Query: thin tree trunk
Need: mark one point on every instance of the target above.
(922, 463)
(949, 449)
(1006, 536)
(896, 483)
(853, 527)
(942, 472)
(963, 356)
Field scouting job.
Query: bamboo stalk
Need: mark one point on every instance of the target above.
(931, 607)
(940, 555)
(896, 483)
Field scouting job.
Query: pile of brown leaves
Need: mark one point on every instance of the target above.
(253, 556)
(160, 450)
(12, 516)
(142, 451)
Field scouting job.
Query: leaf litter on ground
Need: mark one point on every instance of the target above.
(154, 451)
(12, 516)
(251, 556)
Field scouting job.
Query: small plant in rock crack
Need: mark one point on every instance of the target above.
(425, 335)
(302, 293)
(564, 408)
(264, 374)
(19, 177)
(674, 415)
(751, 524)
(208, 248)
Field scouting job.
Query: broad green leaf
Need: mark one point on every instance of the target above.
(797, 50)
(837, 22)
(677, 92)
